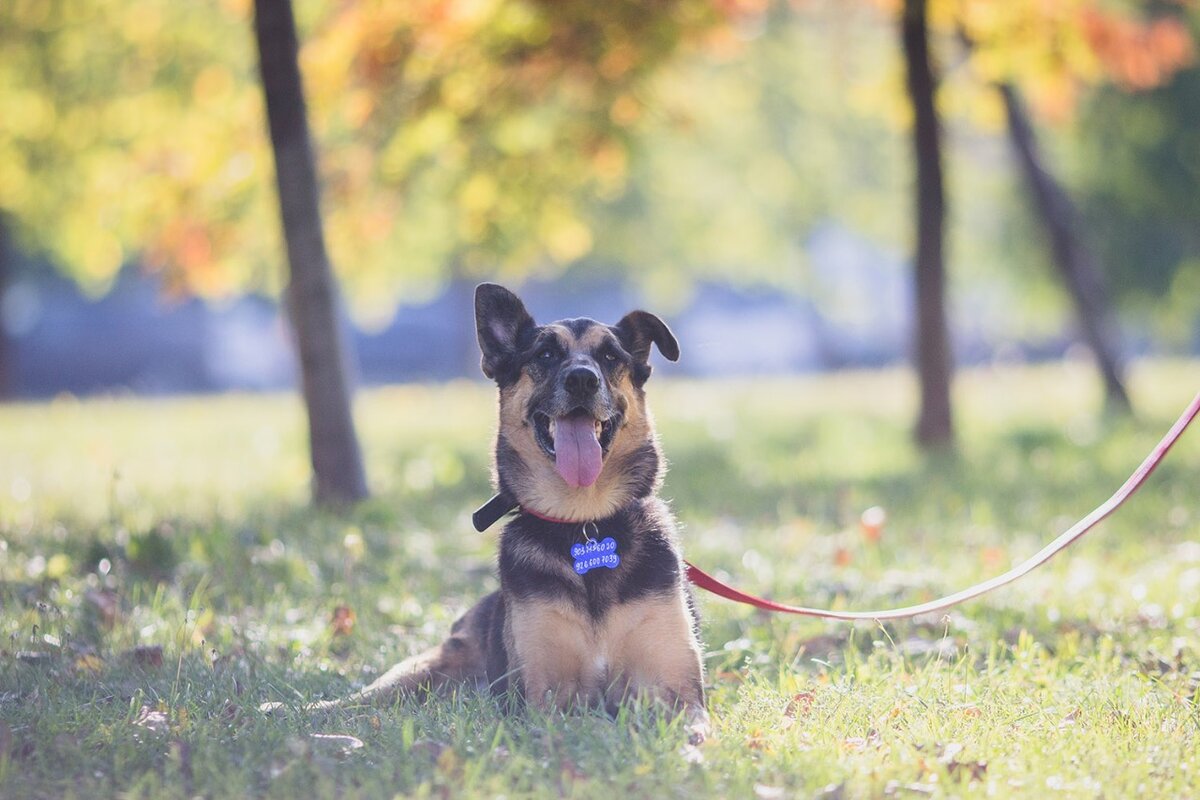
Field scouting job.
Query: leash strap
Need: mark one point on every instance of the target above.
(501, 504)
(705, 581)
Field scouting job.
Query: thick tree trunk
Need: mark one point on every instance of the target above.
(312, 297)
(1074, 261)
(7, 377)
(935, 425)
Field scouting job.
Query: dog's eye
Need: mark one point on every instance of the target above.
(610, 357)
(546, 354)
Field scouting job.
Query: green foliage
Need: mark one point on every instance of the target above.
(1032, 690)
(752, 139)
(1139, 169)
(666, 142)
(451, 135)
(132, 130)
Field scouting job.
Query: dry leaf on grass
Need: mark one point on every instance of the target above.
(857, 744)
(106, 604)
(343, 620)
(89, 662)
(800, 704)
(152, 720)
(969, 770)
(147, 656)
(894, 788)
(832, 791)
(340, 743)
(1069, 719)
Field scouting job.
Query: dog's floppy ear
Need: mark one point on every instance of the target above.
(637, 330)
(501, 323)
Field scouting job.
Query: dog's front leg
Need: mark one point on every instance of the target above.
(657, 655)
(552, 646)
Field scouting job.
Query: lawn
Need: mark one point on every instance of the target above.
(161, 574)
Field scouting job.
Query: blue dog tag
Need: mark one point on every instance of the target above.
(593, 555)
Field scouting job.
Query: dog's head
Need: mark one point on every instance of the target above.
(575, 440)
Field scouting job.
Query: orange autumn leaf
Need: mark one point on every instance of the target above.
(343, 620)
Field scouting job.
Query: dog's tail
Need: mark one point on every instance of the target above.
(462, 658)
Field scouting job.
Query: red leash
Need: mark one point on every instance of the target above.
(500, 505)
(706, 581)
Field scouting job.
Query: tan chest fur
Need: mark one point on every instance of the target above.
(562, 656)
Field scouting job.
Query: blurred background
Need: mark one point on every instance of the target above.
(796, 186)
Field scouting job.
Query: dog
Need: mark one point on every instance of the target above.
(593, 608)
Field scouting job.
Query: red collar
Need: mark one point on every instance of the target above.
(547, 518)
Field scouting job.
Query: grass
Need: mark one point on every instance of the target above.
(161, 575)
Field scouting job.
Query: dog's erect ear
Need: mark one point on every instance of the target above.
(637, 330)
(501, 322)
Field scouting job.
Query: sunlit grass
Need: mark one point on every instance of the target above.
(183, 525)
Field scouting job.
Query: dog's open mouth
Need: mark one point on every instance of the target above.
(577, 442)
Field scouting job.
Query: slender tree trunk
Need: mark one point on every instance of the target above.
(312, 297)
(7, 377)
(1074, 261)
(935, 426)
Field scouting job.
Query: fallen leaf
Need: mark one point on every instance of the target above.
(343, 620)
(970, 770)
(231, 714)
(152, 720)
(800, 704)
(993, 557)
(148, 656)
(893, 788)
(448, 762)
(343, 744)
(35, 658)
(832, 791)
(755, 740)
(106, 604)
(89, 662)
(857, 744)
(1069, 719)
(872, 522)
(949, 752)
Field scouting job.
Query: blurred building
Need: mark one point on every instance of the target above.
(856, 313)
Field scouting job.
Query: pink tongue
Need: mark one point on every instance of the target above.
(576, 450)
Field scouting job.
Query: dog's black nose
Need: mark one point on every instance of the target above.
(582, 381)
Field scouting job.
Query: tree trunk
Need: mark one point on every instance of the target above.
(935, 425)
(312, 297)
(1075, 264)
(7, 377)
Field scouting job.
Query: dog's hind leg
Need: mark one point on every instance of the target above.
(462, 658)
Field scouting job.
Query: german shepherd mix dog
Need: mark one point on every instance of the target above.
(593, 606)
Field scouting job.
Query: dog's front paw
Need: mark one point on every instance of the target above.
(698, 726)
